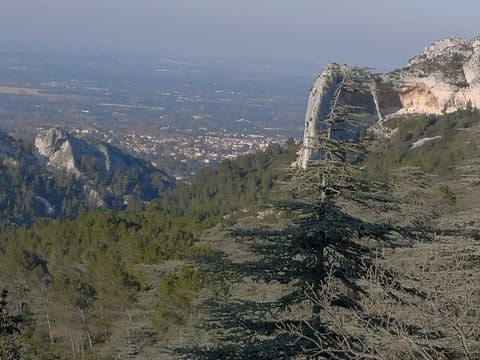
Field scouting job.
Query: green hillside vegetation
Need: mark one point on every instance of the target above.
(456, 141)
(29, 191)
(256, 259)
(358, 269)
(74, 280)
(20, 184)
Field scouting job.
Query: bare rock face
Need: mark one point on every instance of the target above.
(65, 174)
(56, 146)
(64, 151)
(94, 163)
(338, 87)
(444, 78)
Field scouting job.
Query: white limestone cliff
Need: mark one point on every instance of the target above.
(56, 146)
(342, 88)
(444, 78)
(89, 160)
(64, 151)
(318, 105)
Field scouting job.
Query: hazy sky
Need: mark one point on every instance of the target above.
(378, 33)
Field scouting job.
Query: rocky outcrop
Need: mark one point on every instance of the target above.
(65, 151)
(339, 89)
(64, 174)
(92, 162)
(59, 149)
(444, 78)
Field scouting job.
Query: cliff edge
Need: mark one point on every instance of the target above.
(444, 78)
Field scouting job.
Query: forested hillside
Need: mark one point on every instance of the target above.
(369, 253)
(99, 176)
(355, 268)
(72, 281)
(435, 144)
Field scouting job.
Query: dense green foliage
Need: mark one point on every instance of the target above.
(232, 186)
(434, 156)
(21, 181)
(320, 240)
(175, 293)
(11, 345)
(82, 274)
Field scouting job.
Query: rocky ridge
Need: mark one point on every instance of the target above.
(444, 78)
(91, 161)
(61, 174)
(64, 151)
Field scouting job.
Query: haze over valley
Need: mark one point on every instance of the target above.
(168, 111)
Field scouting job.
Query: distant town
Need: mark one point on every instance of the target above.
(204, 148)
(178, 117)
(193, 151)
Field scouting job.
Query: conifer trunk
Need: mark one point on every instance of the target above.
(318, 277)
(87, 329)
(45, 308)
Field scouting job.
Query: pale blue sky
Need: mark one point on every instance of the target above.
(381, 34)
